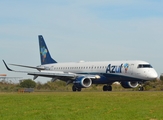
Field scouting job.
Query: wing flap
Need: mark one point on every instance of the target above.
(52, 75)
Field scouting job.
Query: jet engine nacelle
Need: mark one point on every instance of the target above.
(83, 82)
(129, 84)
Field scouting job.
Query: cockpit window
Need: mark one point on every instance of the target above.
(144, 66)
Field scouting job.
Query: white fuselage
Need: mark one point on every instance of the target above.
(133, 69)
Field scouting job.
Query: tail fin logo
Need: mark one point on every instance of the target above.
(44, 51)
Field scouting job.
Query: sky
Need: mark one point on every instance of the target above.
(94, 30)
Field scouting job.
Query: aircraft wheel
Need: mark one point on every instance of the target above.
(78, 89)
(74, 88)
(109, 88)
(105, 88)
(141, 88)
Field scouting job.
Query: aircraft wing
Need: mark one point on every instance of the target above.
(38, 68)
(54, 74)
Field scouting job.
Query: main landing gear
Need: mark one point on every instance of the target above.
(107, 88)
(74, 88)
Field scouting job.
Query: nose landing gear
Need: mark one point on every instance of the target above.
(141, 86)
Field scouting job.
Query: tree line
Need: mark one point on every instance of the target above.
(5, 86)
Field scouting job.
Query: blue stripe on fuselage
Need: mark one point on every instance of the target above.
(106, 78)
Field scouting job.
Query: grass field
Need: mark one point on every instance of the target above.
(82, 106)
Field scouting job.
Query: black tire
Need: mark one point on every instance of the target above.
(74, 88)
(141, 88)
(105, 88)
(109, 88)
(78, 89)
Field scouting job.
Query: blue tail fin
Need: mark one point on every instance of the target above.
(44, 52)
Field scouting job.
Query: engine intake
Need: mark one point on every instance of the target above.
(129, 84)
(83, 82)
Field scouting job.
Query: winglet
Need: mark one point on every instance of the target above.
(7, 66)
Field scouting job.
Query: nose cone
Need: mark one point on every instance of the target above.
(152, 75)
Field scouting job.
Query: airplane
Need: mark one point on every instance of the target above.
(129, 73)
